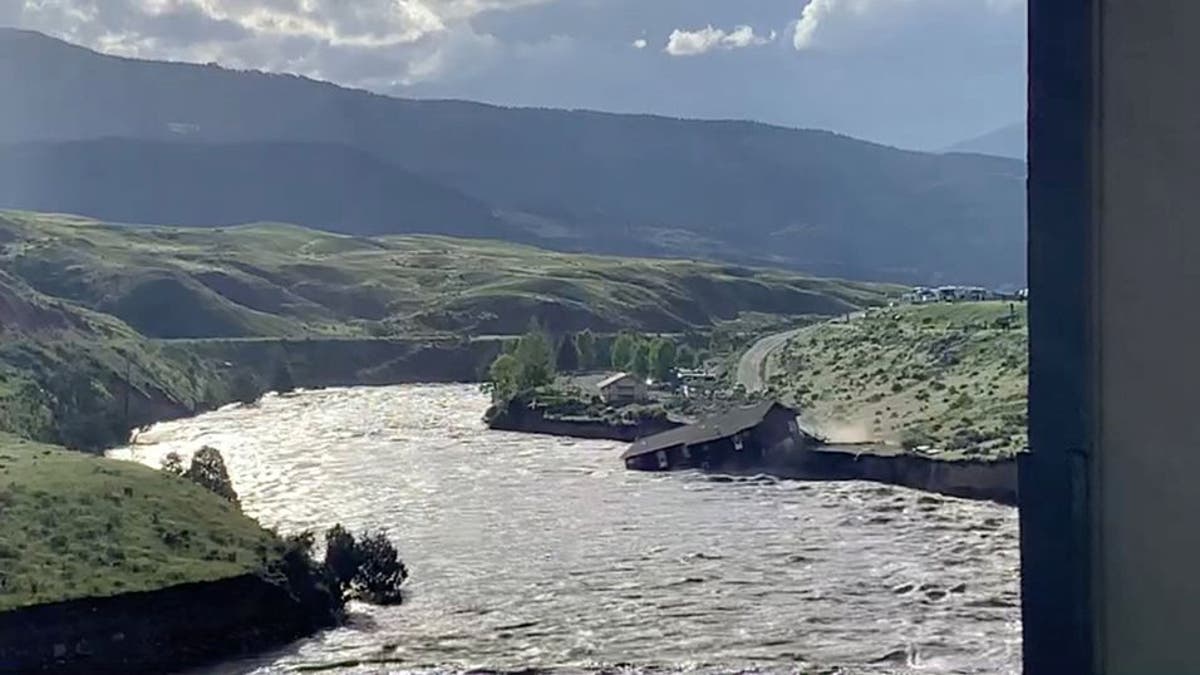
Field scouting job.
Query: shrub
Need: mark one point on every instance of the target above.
(367, 568)
(911, 439)
(209, 472)
(173, 464)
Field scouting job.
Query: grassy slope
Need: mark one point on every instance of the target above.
(272, 280)
(951, 376)
(74, 525)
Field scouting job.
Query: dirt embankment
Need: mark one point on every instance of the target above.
(517, 416)
(332, 362)
(160, 631)
(985, 480)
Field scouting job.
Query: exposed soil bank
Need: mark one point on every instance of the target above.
(519, 417)
(161, 631)
(326, 362)
(334, 362)
(986, 480)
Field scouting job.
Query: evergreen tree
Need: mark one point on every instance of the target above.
(568, 355)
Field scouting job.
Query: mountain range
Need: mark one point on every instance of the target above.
(1008, 141)
(173, 143)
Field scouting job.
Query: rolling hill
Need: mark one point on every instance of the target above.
(106, 327)
(569, 180)
(273, 280)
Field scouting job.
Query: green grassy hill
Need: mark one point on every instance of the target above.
(948, 376)
(73, 525)
(282, 280)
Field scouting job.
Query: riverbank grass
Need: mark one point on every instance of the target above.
(74, 525)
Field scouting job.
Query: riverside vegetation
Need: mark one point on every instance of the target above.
(554, 378)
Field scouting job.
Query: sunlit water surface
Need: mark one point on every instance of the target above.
(532, 552)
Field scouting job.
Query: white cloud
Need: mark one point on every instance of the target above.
(370, 43)
(821, 16)
(640, 43)
(692, 43)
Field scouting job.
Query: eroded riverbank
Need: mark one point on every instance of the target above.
(535, 551)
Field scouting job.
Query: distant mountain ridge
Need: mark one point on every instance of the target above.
(1009, 141)
(570, 180)
(332, 187)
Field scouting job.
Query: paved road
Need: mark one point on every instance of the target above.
(752, 372)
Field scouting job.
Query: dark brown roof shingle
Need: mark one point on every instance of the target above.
(706, 430)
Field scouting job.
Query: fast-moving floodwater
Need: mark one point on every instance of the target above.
(538, 552)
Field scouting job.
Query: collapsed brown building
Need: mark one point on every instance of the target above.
(743, 438)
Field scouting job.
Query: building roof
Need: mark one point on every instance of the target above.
(706, 430)
(612, 379)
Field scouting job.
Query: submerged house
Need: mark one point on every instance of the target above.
(743, 438)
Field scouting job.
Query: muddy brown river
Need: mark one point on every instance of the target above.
(530, 552)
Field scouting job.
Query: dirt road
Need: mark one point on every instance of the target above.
(753, 371)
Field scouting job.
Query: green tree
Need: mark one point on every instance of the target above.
(381, 573)
(341, 554)
(367, 567)
(662, 359)
(535, 355)
(585, 346)
(504, 377)
(568, 355)
(173, 464)
(640, 365)
(623, 350)
(209, 472)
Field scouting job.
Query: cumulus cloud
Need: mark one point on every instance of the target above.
(820, 16)
(696, 42)
(640, 43)
(370, 43)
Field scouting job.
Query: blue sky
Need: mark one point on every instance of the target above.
(920, 74)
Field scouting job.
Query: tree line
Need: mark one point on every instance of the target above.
(535, 358)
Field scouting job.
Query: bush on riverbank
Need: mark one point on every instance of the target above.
(366, 568)
(207, 470)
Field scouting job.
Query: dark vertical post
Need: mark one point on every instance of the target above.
(1055, 500)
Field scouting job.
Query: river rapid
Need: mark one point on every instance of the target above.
(532, 552)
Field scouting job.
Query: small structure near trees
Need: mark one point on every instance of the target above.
(622, 389)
